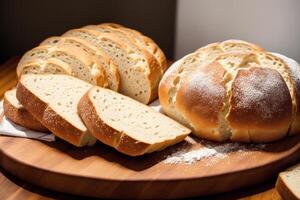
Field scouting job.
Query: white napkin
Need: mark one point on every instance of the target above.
(9, 128)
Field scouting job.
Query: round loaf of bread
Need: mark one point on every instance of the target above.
(233, 90)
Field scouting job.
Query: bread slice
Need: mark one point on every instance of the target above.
(150, 64)
(127, 125)
(52, 99)
(81, 64)
(142, 41)
(48, 66)
(288, 183)
(15, 112)
(149, 45)
(104, 63)
(137, 80)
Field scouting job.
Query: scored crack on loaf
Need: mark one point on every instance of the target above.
(239, 93)
(181, 70)
(127, 125)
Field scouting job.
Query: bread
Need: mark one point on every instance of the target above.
(294, 69)
(105, 62)
(127, 125)
(180, 70)
(142, 41)
(107, 55)
(47, 66)
(151, 64)
(15, 112)
(288, 183)
(239, 94)
(82, 65)
(52, 99)
(138, 79)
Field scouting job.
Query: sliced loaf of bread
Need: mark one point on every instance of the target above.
(52, 100)
(137, 80)
(127, 125)
(15, 112)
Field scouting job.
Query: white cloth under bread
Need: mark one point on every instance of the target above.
(9, 128)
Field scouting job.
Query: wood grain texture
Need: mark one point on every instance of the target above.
(101, 171)
(15, 188)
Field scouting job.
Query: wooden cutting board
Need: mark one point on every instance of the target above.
(100, 171)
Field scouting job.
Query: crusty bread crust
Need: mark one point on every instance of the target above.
(21, 116)
(258, 121)
(201, 107)
(182, 98)
(107, 134)
(294, 69)
(49, 118)
(149, 44)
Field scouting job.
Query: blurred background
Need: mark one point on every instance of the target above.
(179, 27)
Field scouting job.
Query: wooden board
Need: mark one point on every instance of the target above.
(100, 171)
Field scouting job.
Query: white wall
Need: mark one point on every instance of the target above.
(273, 24)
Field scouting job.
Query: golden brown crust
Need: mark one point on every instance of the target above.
(294, 69)
(48, 117)
(257, 108)
(21, 116)
(168, 82)
(154, 48)
(251, 46)
(154, 70)
(233, 55)
(107, 134)
(201, 98)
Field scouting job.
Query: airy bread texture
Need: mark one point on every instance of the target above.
(81, 65)
(151, 64)
(127, 125)
(52, 99)
(105, 63)
(15, 112)
(232, 91)
(138, 79)
(139, 39)
(288, 183)
(47, 66)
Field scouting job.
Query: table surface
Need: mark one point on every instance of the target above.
(14, 188)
